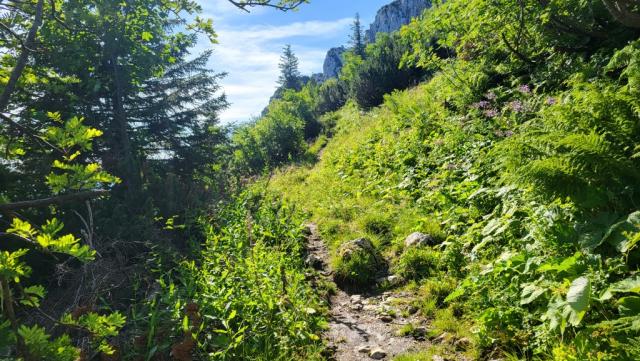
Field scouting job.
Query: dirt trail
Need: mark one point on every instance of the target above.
(365, 327)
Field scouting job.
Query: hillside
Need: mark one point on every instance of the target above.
(464, 188)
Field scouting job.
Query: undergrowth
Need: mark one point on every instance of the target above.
(246, 297)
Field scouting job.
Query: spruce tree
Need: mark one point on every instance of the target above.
(289, 72)
(357, 37)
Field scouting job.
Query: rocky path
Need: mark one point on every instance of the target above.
(365, 326)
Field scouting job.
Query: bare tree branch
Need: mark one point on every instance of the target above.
(57, 200)
(283, 6)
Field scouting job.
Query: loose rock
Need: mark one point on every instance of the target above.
(364, 349)
(444, 337)
(463, 343)
(418, 239)
(314, 262)
(378, 354)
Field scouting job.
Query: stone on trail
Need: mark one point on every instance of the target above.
(364, 349)
(314, 262)
(378, 354)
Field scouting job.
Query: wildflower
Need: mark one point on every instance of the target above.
(516, 106)
(490, 113)
(524, 88)
(491, 96)
(480, 105)
(508, 133)
(551, 101)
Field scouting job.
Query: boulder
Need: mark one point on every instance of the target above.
(418, 239)
(359, 265)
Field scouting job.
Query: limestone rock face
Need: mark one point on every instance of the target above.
(333, 62)
(393, 16)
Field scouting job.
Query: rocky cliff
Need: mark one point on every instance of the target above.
(333, 62)
(393, 16)
(389, 18)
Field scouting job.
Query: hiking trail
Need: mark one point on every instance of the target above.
(365, 326)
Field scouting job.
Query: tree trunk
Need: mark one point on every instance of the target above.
(21, 63)
(126, 162)
(10, 314)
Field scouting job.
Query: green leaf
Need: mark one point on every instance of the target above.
(629, 306)
(628, 285)
(566, 265)
(146, 36)
(530, 293)
(578, 298)
(617, 235)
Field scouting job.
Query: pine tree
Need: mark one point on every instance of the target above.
(289, 72)
(357, 38)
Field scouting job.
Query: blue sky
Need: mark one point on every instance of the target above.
(250, 45)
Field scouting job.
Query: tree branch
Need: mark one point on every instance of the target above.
(515, 51)
(30, 133)
(58, 200)
(621, 11)
(242, 4)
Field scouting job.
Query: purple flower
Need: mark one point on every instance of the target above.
(491, 96)
(524, 89)
(551, 101)
(503, 134)
(516, 106)
(490, 113)
(480, 105)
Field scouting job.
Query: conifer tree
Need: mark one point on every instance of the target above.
(289, 72)
(357, 37)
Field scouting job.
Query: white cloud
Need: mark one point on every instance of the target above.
(250, 56)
